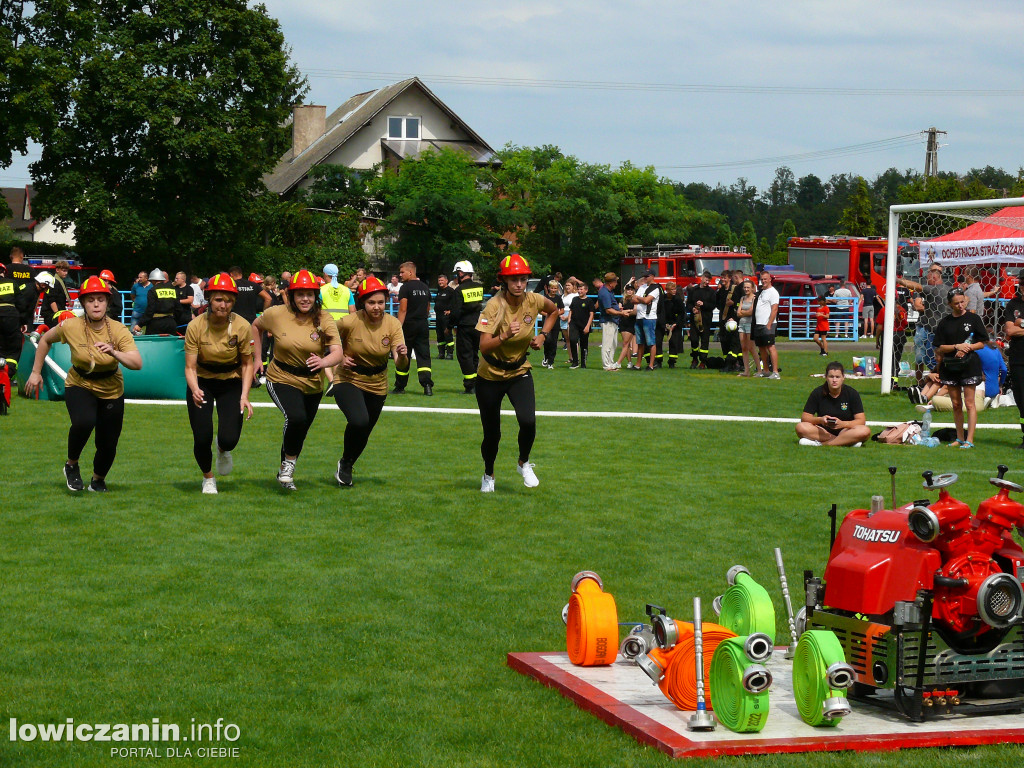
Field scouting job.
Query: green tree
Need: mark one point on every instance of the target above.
(748, 237)
(168, 115)
(436, 210)
(858, 217)
(22, 87)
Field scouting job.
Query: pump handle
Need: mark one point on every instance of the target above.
(1000, 483)
(933, 481)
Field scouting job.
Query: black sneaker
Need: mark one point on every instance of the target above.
(73, 477)
(397, 391)
(344, 473)
(428, 391)
(98, 484)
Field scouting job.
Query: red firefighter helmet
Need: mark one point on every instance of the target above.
(222, 282)
(513, 264)
(63, 315)
(255, 278)
(107, 275)
(94, 285)
(368, 286)
(302, 280)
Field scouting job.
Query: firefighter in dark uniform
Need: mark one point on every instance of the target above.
(17, 305)
(182, 312)
(116, 304)
(673, 309)
(466, 305)
(161, 306)
(414, 314)
(252, 300)
(442, 319)
(700, 302)
(729, 293)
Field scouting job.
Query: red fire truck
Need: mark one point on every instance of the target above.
(859, 259)
(683, 264)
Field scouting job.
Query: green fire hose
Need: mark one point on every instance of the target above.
(746, 607)
(736, 707)
(820, 702)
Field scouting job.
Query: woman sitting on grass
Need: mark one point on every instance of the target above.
(833, 414)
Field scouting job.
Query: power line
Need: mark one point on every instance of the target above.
(606, 85)
(868, 147)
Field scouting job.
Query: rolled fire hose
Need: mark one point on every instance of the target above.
(736, 707)
(746, 607)
(679, 683)
(816, 654)
(592, 626)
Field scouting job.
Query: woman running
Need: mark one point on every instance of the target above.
(305, 342)
(94, 389)
(506, 338)
(369, 337)
(218, 369)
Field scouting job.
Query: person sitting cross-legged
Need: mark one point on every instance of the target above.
(833, 414)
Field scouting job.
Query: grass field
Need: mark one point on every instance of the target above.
(370, 625)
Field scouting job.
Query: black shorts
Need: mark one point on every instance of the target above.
(762, 337)
(971, 376)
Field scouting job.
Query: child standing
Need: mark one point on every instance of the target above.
(821, 326)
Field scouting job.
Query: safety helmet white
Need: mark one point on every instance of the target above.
(464, 267)
(157, 275)
(45, 278)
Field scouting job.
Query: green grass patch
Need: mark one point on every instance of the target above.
(370, 625)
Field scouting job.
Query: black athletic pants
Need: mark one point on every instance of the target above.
(10, 343)
(417, 339)
(89, 413)
(299, 410)
(361, 409)
(467, 346)
(1017, 384)
(732, 349)
(675, 345)
(227, 394)
(551, 345)
(579, 345)
(489, 395)
(160, 325)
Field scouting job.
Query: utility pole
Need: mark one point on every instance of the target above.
(931, 153)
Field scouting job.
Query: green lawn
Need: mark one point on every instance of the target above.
(370, 625)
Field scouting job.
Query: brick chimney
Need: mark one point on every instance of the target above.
(309, 121)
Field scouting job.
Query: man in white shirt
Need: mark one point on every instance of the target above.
(646, 303)
(198, 297)
(766, 311)
(844, 306)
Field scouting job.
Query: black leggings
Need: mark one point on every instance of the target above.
(89, 413)
(361, 409)
(489, 395)
(299, 410)
(1017, 386)
(227, 393)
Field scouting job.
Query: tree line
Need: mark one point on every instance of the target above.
(158, 121)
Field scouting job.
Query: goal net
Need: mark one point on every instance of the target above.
(975, 245)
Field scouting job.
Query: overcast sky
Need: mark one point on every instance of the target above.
(706, 83)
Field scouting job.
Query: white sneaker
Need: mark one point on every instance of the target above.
(529, 476)
(209, 485)
(616, 366)
(286, 475)
(224, 462)
(857, 445)
(774, 375)
(487, 484)
(808, 441)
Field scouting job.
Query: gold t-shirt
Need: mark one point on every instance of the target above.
(82, 339)
(495, 319)
(369, 346)
(295, 341)
(216, 346)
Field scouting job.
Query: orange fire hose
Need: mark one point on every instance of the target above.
(680, 681)
(592, 627)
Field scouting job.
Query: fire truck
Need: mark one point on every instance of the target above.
(859, 259)
(683, 264)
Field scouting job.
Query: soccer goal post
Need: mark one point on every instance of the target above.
(973, 241)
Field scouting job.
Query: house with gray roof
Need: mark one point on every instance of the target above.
(384, 126)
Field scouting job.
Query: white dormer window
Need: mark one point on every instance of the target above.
(403, 127)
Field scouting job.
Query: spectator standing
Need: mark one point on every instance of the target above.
(183, 310)
(57, 298)
(161, 300)
(413, 315)
(957, 338)
(252, 298)
(766, 313)
(566, 299)
(115, 307)
(466, 305)
(1013, 329)
(336, 297)
(869, 309)
(899, 338)
(198, 297)
(674, 312)
(973, 291)
(929, 303)
(844, 308)
(700, 302)
(393, 288)
(627, 327)
(553, 294)
(745, 319)
(646, 301)
(442, 311)
(581, 320)
(821, 326)
(611, 311)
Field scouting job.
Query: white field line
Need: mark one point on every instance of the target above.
(593, 414)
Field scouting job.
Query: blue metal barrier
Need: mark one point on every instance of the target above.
(799, 321)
